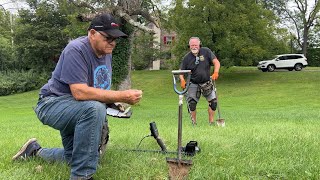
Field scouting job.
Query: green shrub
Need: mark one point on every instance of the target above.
(314, 57)
(12, 82)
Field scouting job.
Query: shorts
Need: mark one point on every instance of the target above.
(194, 92)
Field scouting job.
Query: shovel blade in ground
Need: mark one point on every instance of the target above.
(221, 123)
(178, 169)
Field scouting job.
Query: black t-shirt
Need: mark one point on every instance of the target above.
(200, 72)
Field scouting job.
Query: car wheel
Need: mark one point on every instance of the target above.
(264, 70)
(298, 67)
(290, 69)
(271, 68)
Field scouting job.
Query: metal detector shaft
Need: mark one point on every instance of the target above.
(180, 126)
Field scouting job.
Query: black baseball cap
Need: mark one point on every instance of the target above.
(106, 23)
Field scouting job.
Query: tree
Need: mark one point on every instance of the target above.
(143, 51)
(6, 46)
(39, 36)
(301, 13)
(132, 14)
(239, 31)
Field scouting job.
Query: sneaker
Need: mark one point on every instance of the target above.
(29, 149)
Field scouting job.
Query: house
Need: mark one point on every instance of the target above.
(165, 39)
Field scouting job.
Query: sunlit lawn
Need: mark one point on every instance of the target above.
(272, 130)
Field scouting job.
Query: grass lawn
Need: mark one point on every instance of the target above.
(272, 130)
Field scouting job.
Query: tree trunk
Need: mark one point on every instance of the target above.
(305, 40)
(126, 83)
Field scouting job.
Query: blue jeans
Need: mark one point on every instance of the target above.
(80, 124)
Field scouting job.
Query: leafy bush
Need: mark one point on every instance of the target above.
(144, 51)
(314, 57)
(16, 82)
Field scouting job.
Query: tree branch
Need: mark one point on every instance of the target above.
(120, 11)
(126, 17)
(83, 5)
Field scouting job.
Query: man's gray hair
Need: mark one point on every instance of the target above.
(195, 38)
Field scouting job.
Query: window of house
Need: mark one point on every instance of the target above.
(168, 40)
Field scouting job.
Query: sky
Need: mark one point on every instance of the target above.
(12, 5)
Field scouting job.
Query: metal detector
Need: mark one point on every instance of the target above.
(179, 168)
(189, 150)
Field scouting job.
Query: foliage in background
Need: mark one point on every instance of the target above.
(313, 57)
(298, 15)
(44, 30)
(6, 48)
(239, 32)
(12, 82)
(144, 51)
(120, 57)
(39, 36)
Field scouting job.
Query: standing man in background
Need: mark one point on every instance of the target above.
(199, 60)
(74, 99)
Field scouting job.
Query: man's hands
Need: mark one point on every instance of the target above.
(182, 83)
(215, 76)
(132, 96)
(82, 92)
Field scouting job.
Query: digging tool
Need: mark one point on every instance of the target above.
(220, 122)
(179, 168)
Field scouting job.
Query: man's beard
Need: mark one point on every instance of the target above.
(195, 51)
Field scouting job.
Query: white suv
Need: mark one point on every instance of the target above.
(284, 61)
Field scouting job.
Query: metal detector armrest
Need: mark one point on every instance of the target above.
(181, 72)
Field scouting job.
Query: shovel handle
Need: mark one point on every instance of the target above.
(181, 72)
(215, 90)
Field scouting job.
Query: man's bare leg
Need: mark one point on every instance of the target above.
(194, 117)
(211, 115)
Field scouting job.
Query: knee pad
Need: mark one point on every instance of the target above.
(213, 104)
(192, 105)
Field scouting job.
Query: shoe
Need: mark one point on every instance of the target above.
(29, 149)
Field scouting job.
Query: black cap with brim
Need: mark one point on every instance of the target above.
(115, 33)
(107, 23)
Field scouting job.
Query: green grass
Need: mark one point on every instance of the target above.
(272, 130)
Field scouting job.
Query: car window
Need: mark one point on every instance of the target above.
(292, 57)
(282, 57)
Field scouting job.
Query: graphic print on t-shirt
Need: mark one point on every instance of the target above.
(102, 77)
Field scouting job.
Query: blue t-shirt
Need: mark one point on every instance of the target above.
(79, 65)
